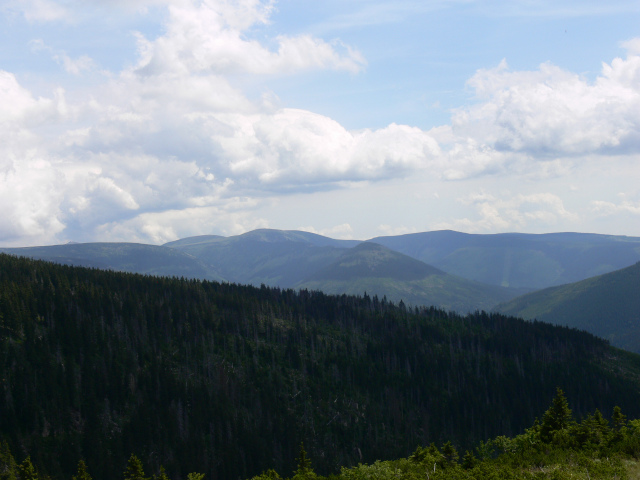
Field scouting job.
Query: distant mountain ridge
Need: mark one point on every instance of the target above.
(488, 264)
(272, 257)
(379, 271)
(520, 260)
(607, 305)
(124, 257)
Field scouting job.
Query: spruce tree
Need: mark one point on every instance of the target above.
(304, 470)
(83, 473)
(557, 417)
(134, 469)
(162, 475)
(27, 471)
(8, 465)
(469, 460)
(618, 419)
(450, 453)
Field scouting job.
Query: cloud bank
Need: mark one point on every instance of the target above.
(174, 141)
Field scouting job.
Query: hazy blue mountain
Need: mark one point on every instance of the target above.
(271, 257)
(517, 259)
(523, 262)
(607, 305)
(380, 271)
(124, 257)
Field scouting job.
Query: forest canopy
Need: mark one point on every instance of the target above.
(228, 380)
(556, 448)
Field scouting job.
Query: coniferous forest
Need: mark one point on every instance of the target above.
(229, 380)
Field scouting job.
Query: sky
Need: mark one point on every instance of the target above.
(152, 120)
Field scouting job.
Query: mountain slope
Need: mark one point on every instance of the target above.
(377, 270)
(228, 380)
(271, 257)
(124, 257)
(519, 260)
(607, 305)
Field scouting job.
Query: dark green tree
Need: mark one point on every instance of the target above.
(593, 430)
(618, 420)
(27, 471)
(134, 470)
(83, 473)
(558, 417)
(162, 475)
(8, 465)
(268, 475)
(450, 453)
(304, 470)
(469, 460)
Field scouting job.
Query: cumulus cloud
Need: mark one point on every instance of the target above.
(292, 147)
(604, 208)
(208, 37)
(30, 195)
(173, 144)
(21, 110)
(552, 112)
(233, 217)
(510, 212)
(149, 144)
(31, 189)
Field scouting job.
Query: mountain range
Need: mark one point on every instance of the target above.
(451, 270)
(519, 260)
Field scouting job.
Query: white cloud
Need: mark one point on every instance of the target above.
(343, 231)
(604, 208)
(553, 112)
(632, 46)
(511, 212)
(20, 109)
(74, 66)
(295, 147)
(175, 145)
(30, 194)
(210, 37)
(144, 147)
(232, 217)
(389, 230)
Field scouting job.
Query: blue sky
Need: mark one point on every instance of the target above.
(151, 120)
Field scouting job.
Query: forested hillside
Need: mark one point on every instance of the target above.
(375, 269)
(484, 270)
(228, 380)
(558, 447)
(278, 258)
(607, 305)
(123, 257)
